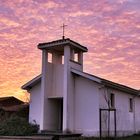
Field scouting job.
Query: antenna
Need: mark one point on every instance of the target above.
(63, 30)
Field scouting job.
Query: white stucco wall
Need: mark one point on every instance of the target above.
(124, 118)
(137, 114)
(55, 78)
(86, 107)
(58, 74)
(54, 91)
(34, 106)
(76, 65)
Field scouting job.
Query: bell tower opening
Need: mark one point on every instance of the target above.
(64, 49)
(77, 56)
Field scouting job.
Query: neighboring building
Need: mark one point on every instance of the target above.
(9, 101)
(65, 98)
(12, 106)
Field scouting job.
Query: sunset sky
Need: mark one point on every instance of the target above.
(110, 29)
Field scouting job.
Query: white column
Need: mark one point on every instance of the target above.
(72, 54)
(80, 58)
(66, 84)
(43, 86)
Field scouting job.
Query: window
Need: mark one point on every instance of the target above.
(112, 100)
(62, 59)
(130, 104)
(50, 57)
(76, 57)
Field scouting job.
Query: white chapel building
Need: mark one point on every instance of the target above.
(64, 98)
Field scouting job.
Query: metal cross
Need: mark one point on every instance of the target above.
(63, 28)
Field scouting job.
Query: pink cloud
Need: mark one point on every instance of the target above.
(110, 30)
(80, 13)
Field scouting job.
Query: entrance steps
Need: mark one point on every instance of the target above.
(59, 135)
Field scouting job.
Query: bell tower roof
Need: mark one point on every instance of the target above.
(58, 45)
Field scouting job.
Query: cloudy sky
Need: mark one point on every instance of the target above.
(110, 29)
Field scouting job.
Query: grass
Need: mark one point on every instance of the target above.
(130, 138)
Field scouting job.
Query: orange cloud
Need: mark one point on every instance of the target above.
(8, 22)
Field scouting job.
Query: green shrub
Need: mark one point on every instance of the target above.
(17, 126)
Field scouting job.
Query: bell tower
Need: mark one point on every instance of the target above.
(57, 79)
(64, 48)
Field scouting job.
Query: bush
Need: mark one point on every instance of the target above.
(17, 126)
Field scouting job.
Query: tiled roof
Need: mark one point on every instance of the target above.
(94, 78)
(62, 42)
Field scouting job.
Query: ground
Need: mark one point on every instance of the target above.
(49, 138)
(43, 138)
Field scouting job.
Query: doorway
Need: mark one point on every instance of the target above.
(56, 114)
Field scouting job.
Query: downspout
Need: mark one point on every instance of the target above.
(134, 116)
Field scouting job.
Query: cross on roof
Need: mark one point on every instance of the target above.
(63, 29)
